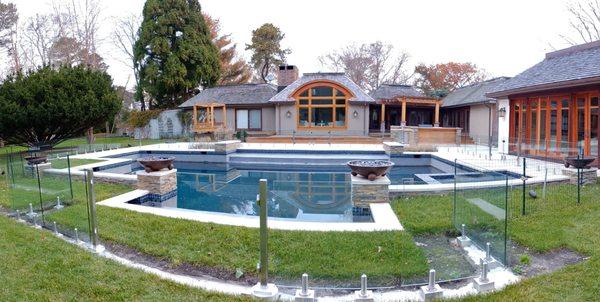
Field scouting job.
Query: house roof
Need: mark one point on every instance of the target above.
(285, 95)
(473, 94)
(392, 91)
(233, 95)
(574, 66)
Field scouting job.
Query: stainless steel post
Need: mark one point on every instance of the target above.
(93, 223)
(264, 253)
(304, 291)
(431, 284)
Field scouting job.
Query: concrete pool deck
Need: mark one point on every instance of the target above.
(384, 218)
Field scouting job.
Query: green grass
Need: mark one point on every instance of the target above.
(24, 190)
(62, 163)
(335, 256)
(553, 223)
(124, 141)
(36, 266)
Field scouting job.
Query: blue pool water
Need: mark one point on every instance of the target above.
(309, 196)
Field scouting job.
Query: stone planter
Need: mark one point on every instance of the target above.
(154, 164)
(370, 169)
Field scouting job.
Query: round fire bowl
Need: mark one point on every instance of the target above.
(36, 160)
(579, 162)
(153, 164)
(370, 169)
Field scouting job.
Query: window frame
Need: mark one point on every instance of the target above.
(333, 106)
(248, 116)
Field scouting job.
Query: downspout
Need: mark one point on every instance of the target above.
(490, 105)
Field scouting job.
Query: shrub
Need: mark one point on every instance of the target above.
(139, 119)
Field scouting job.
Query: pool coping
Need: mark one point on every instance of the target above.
(384, 217)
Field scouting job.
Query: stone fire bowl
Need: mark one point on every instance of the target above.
(370, 169)
(153, 164)
(579, 162)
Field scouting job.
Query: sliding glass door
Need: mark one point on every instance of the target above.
(555, 125)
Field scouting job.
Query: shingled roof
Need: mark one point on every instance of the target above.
(574, 66)
(233, 95)
(473, 94)
(392, 91)
(285, 95)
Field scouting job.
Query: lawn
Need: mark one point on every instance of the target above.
(555, 223)
(62, 163)
(36, 266)
(334, 256)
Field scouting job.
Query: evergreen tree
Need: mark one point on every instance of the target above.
(266, 49)
(174, 52)
(50, 105)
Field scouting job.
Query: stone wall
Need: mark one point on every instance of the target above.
(365, 192)
(160, 183)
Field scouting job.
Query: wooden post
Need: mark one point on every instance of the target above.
(382, 118)
(403, 121)
(225, 116)
(436, 123)
(195, 117)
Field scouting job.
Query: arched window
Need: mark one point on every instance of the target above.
(322, 106)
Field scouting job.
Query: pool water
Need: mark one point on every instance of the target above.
(307, 196)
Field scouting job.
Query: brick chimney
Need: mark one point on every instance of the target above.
(286, 75)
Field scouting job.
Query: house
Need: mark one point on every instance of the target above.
(470, 109)
(552, 108)
(322, 104)
(247, 108)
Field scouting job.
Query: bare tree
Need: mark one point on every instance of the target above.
(38, 36)
(585, 21)
(124, 36)
(8, 32)
(77, 41)
(370, 65)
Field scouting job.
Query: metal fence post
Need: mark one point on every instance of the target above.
(37, 171)
(70, 179)
(506, 215)
(524, 177)
(91, 198)
(264, 252)
(263, 289)
(454, 195)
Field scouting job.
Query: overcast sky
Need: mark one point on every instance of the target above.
(503, 37)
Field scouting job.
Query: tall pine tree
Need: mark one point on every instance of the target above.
(174, 52)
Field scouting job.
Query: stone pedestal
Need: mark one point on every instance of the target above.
(429, 294)
(393, 148)
(588, 176)
(159, 183)
(365, 192)
(483, 286)
(31, 170)
(227, 147)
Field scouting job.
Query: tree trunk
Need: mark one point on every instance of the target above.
(90, 135)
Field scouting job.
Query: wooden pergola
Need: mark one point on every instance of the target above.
(204, 117)
(411, 100)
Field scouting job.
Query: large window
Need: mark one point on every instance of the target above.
(556, 125)
(248, 119)
(322, 106)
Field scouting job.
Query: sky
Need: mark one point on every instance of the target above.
(503, 37)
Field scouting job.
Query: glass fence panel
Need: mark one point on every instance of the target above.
(480, 204)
